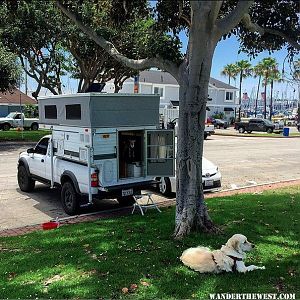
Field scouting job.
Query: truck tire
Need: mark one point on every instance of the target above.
(69, 198)
(205, 135)
(6, 126)
(269, 130)
(241, 130)
(26, 183)
(249, 131)
(34, 126)
(165, 186)
(126, 201)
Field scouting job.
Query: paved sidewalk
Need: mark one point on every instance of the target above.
(127, 210)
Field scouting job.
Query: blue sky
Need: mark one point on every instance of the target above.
(226, 52)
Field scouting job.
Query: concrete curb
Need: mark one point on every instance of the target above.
(16, 143)
(254, 136)
(170, 202)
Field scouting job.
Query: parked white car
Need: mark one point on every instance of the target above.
(211, 179)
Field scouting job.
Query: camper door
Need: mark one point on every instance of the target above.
(160, 153)
(105, 156)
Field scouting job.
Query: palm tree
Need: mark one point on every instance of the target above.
(275, 75)
(258, 71)
(244, 69)
(230, 70)
(268, 66)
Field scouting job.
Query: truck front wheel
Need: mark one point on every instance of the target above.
(270, 130)
(25, 182)
(6, 127)
(69, 198)
(241, 130)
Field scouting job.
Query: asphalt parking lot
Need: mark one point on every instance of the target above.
(242, 161)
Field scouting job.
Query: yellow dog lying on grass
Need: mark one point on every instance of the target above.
(229, 258)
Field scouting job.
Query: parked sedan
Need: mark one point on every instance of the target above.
(211, 179)
(219, 123)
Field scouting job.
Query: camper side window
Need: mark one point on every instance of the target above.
(50, 112)
(73, 112)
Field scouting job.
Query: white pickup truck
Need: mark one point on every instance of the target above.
(80, 182)
(35, 165)
(17, 119)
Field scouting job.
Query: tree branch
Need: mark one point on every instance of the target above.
(253, 27)
(138, 64)
(215, 9)
(234, 17)
(182, 15)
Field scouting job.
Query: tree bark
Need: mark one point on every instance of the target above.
(194, 74)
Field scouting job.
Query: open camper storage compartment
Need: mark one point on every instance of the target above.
(117, 133)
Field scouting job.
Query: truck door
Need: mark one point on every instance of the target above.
(160, 153)
(18, 120)
(37, 163)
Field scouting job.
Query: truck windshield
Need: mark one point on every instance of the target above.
(11, 115)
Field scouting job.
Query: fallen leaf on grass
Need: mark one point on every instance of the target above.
(103, 274)
(55, 278)
(11, 275)
(133, 287)
(280, 285)
(292, 272)
(145, 283)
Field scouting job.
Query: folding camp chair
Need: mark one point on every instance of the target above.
(150, 203)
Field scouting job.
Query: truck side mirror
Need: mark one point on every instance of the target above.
(30, 150)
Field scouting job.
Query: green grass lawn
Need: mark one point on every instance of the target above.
(26, 135)
(98, 259)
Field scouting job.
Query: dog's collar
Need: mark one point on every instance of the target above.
(235, 259)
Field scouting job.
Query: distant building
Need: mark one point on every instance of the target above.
(222, 95)
(10, 102)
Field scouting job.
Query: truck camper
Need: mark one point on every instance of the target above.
(101, 146)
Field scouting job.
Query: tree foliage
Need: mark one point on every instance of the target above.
(10, 70)
(33, 31)
(230, 70)
(49, 46)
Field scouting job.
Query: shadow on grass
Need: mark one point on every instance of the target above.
(97, 260)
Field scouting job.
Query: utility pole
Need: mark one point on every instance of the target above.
(26, 83)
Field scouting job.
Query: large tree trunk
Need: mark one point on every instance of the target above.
(194, 73)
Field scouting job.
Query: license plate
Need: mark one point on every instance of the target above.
(209, 182)
(128, 192)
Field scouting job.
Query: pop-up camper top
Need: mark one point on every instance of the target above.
(116, 133)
